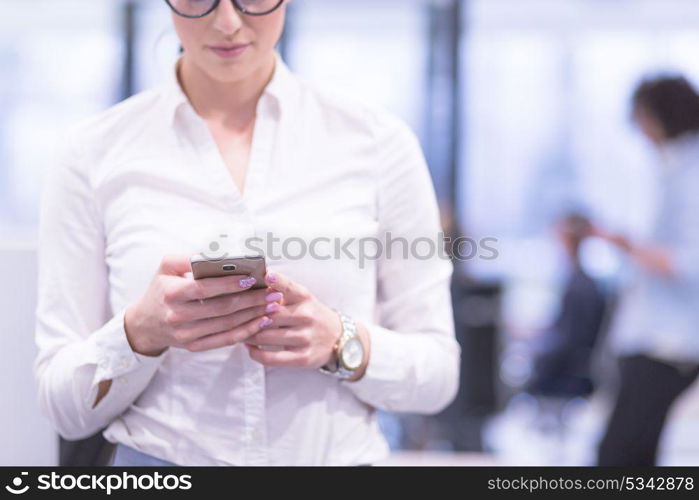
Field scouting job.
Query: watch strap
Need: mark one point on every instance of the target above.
(349, 330)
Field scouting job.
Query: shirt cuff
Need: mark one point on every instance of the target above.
(387, 365)
(113, 355)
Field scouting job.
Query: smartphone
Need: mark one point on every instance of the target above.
(249, 265)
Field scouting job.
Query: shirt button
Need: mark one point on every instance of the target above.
(121, 379)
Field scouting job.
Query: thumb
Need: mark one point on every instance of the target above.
(176, 264)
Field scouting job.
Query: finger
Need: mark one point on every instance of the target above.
(284, 316)
(175, 264)
(204, 327)
(234, 336)
(278, 337)
(207, 288)
(280, 300)
(293, 292)
(223, 305)
(287, 357)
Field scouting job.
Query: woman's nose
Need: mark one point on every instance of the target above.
(227, 19)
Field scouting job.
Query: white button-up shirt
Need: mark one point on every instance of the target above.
(145, 179)
(657, 316)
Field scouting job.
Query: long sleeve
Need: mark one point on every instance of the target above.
(415, 359)
(685, 211)
(80, 342)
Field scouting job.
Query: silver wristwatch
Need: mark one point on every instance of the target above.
(349, 351)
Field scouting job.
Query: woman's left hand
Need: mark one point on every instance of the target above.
(303, 329)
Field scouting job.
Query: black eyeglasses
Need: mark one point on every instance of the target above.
(200, 8)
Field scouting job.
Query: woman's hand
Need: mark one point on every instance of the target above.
(303, 331)
(178, 311)
(618, 240)
(656, 260)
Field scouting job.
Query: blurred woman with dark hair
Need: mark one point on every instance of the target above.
(666, 109)
(656, 331)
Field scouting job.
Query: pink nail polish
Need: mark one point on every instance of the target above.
(273, 307)
(247, 282)
(271, 277)
(265, 322)
(274, 296)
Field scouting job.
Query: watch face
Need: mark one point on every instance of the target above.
(352, 354)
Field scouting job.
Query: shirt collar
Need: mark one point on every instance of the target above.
(680, 151)
(282, 88)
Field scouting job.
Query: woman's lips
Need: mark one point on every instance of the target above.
(229, 53)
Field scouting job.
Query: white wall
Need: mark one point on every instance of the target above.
(26, 437)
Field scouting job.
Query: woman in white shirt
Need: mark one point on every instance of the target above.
(234, 148)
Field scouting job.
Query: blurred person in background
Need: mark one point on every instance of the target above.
(656, 329)
(211, 372)
(563, 352)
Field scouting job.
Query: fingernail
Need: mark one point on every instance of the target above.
(247, 282)
(272, 307)
(271, 277)
(274, 296)
(265, 322)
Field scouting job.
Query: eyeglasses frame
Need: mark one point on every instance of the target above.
(216, 3)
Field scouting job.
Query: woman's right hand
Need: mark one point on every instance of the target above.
(176, 310)
(615, 239)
